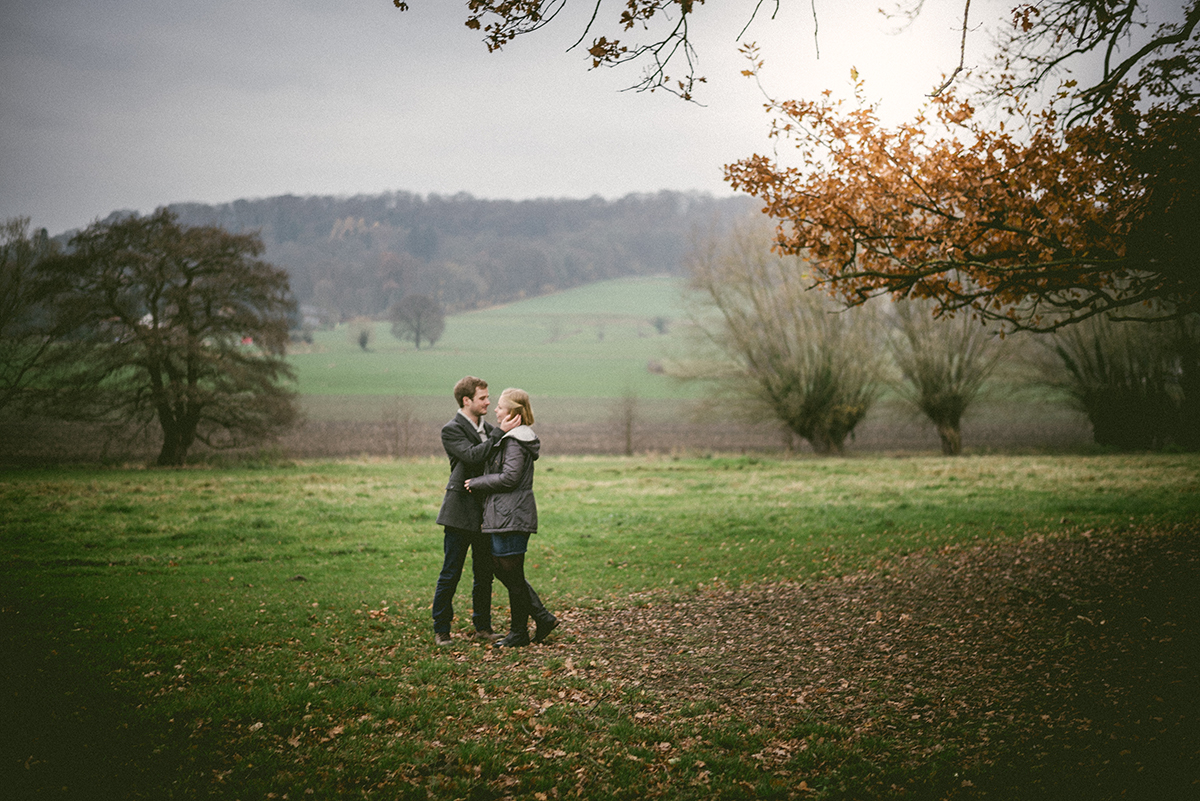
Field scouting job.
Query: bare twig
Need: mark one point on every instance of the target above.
(816, 26)
(962, 52)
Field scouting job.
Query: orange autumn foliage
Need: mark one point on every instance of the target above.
(1036, 228)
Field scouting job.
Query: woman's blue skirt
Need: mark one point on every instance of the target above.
(509, 544)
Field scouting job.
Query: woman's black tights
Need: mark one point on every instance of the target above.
(511, 572)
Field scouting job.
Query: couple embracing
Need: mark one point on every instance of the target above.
(490, 510)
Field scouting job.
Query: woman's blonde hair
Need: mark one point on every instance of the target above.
(518, 401)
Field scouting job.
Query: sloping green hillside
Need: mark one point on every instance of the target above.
(598, 341)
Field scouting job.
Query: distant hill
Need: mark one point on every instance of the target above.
(352, 256)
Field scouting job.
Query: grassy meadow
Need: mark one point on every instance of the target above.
(577, 352)
(589, 342)
(265, 633)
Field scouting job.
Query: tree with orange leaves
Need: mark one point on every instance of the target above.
(1087, 204)
(1038, 227)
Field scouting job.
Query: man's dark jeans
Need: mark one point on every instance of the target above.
(456, 543)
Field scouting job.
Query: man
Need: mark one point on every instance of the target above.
(468, 440)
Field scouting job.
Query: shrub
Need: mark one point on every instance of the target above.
(786, 348)
(1136, 381)
(944, 362)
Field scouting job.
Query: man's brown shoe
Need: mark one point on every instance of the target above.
(441, 639)
(484, 636)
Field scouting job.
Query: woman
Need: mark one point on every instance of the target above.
(510, 515)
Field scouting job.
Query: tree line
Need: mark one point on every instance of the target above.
(146, 321)
(358, 256)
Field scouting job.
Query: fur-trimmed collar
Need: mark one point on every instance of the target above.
(523, 433)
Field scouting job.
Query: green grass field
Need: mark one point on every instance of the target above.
(595, 341)
(265, 633)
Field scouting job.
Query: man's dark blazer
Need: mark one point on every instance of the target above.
(468, 454)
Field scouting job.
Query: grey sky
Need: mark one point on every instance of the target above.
(110, 104)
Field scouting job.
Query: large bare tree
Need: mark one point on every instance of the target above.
(186, 326)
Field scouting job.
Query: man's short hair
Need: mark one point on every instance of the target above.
(466, 388)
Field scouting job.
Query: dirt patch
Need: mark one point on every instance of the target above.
(1047, 668)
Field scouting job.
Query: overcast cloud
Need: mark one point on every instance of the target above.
(133, 104)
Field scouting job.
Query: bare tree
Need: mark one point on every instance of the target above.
(399, 422)
(944, 362)
(625, 414)
(1135, 381)
(786, 349)
(184, 326)
(417, 317)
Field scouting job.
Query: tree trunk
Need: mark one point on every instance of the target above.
(179, 432)
(822, 444)
(1189, 383)
(951, 438)
(172, 453)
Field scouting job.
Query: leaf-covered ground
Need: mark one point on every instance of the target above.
(1046, 668)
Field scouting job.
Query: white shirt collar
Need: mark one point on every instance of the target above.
(467, 417)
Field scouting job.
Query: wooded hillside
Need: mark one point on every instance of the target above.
(350, 256)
